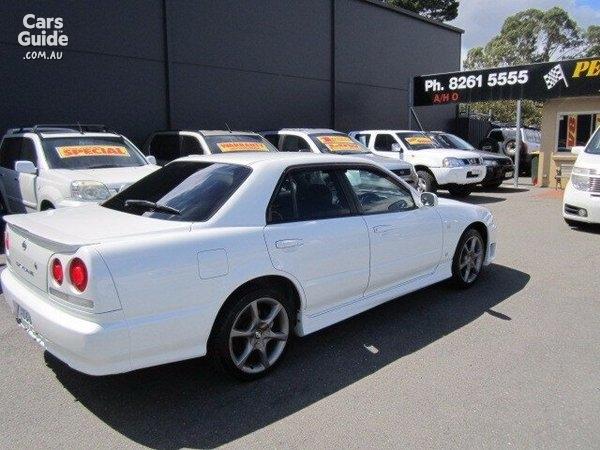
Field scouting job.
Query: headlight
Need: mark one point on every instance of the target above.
(89, 190)
(453, 162)
(581, 183)
(490, 162)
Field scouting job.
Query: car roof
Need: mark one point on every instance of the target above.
(388, 131)
(305, 130)
(208, 132)
(58, 133)
(282, 159)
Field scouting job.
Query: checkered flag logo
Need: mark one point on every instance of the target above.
(554, 76)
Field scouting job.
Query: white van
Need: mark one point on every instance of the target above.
(581, 202)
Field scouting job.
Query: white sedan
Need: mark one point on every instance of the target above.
(230, 255)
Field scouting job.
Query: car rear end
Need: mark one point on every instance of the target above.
(64, 297)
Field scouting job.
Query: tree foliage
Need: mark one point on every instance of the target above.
(442, 10)
(530, 36)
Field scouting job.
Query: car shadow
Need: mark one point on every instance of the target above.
(590, 228)
(189, 404)
(474, 199)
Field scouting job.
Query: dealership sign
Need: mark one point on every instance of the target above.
(535, 81)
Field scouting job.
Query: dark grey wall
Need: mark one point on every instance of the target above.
(256, 64)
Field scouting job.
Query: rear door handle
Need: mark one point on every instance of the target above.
(382, 228)
(289, 243)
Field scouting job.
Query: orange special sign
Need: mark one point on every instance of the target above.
(242, 147)
(419, 140)
(77, 151)
(338, 143)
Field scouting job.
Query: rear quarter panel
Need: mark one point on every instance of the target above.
(170, 297)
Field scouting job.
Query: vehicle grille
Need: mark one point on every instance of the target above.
(401, 172)
(594, 184)
(472, 161)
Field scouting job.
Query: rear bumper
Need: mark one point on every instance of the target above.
(459, 175)
(575, 200)
(98, 347)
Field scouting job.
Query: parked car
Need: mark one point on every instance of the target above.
(581, 202)
(497, 167)
(503, 141)
(231, 255)
(327, 141)
(166, 146)
(458, 171)
(47, 167)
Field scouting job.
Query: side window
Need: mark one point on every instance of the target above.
(273, 139)
(308, 195)
(9, 152)
(190, 146)
(377, 193)
(362, 138)
(384, 142)
(294, 144)
(27, 152)
(165, 147)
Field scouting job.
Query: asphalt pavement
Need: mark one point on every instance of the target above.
(512, 362)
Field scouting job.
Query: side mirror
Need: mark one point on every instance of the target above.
(577, 149)
(151, 159)
(429, 199)
(396, 148)
(25, 167)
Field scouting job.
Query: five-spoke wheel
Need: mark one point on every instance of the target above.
(468, 259)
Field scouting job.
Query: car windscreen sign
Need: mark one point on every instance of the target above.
(419, 140)
(78, 151)
(339, 143)
(240, 146)
(572, 78)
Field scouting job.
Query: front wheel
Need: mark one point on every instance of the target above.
(460, 191)
(468, 259)
(253, 334)
(426, 181)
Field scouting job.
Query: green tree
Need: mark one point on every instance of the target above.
(592, 38)
(527, 37)
(442, 10)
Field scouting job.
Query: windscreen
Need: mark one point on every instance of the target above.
(228, 143)
(417, 141)
(451, 141)
(593, 146)
(338, 143)
(182, 191)
(84, 152)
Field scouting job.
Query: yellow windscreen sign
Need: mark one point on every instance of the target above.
(419, 140)
(77, 151)
(337, 143)
(242, 147)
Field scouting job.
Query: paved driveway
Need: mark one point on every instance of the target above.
(515, 361)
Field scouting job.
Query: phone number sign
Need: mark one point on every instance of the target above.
(573, 78)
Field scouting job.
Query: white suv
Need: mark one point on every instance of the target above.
(46, 167)
(458, 171)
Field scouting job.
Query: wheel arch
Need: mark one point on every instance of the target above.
(279, 282)
(483, 230)
(46, 204)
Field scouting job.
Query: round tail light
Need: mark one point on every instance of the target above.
(57, 271)
(78, 274)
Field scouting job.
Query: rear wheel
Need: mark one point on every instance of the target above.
(253, 334)
(426, 182)
(460, 191)
(468, 258)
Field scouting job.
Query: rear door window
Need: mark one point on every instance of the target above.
(189, 145)
(187, 191)
(9, 152)
(27, 152)
(293, 143)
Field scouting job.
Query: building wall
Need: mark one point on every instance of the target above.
(258, 64)
(549, 159)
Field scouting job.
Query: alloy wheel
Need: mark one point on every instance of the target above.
(471, 259)
(259, 335)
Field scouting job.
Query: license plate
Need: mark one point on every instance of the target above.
(509, 174)
(23, 317)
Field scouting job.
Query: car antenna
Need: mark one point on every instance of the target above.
(228, 129)
(80, 128)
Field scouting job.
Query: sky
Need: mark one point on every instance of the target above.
(482, 19)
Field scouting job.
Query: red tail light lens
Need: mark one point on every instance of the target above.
(78, 274)
(57, 271)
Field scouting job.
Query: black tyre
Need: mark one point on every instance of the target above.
(253, 333)
(460, 191)
(426, 181)
(467, 263)
(509, 148)
(494, 185)
(489, 145)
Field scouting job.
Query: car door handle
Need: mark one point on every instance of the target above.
(289, 243)
(382, 228)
